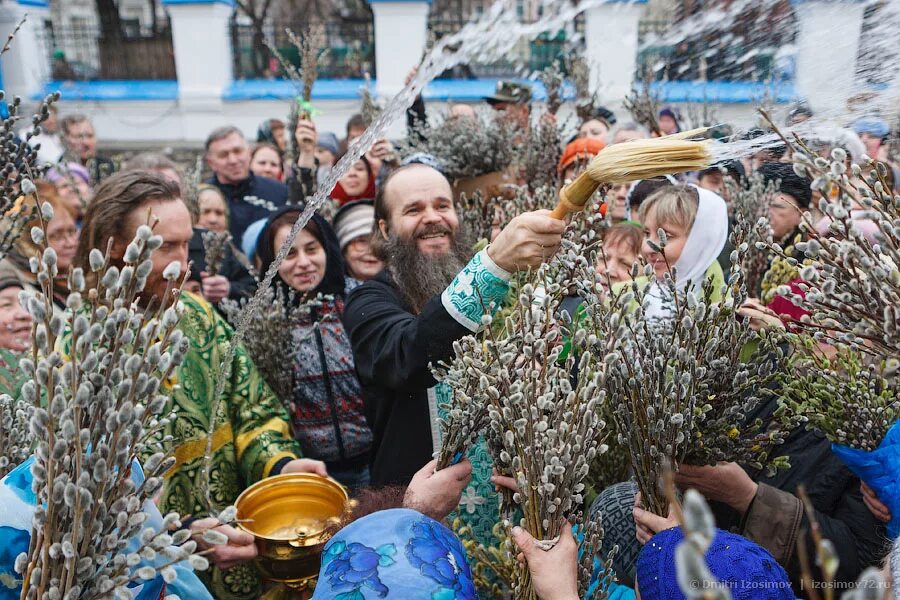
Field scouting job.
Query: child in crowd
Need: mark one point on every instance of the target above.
(353, 224)
(621, 249)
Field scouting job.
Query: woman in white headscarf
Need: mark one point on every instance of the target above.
(695, 224)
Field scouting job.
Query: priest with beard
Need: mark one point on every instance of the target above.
(432, 292)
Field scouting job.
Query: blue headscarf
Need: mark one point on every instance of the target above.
(749, 571)
(880, 469)
(397, 553)
(18, 501)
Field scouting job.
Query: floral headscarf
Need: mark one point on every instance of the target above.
(397, 553)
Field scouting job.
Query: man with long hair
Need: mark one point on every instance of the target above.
(431, 293)
(251, 436)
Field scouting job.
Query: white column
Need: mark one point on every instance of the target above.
(26, 66)
(202, 46)
(827, 46)
(611, 36)
(400, 34)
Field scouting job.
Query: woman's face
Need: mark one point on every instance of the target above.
(266, 163)
(280, 138)
(304, 267)
(617, 200)
(360, 261)
(676, 237)
(15, 323)
(212, 212)
(617, 264)
(76, 196)
(63, 237)
(593, 129)
(356, 180)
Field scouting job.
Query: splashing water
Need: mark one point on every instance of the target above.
(489, 38)
(813, 131)
(877, 71)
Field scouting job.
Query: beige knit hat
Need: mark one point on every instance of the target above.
(353, 220)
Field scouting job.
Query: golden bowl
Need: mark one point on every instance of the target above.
(292, 516)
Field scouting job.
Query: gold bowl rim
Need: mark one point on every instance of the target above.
(288, 479)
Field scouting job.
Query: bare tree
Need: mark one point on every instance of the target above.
(257, 11)
(110, 21)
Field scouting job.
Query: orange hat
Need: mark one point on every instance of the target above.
(580, 149)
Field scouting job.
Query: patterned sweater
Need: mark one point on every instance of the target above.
(327, 407)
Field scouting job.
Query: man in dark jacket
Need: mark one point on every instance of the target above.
(250, 197)
(429, 295)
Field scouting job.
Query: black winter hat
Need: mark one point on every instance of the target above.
(790, 183)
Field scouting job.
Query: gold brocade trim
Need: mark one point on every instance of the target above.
(270, 464)
(196, 448)
(243, 440)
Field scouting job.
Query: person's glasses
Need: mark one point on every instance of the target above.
(63, 234)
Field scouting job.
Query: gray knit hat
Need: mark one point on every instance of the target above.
(615, 508)
(353, 220)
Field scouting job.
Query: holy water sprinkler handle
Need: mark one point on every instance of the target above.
(574, 196)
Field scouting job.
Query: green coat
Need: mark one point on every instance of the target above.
(252, 433)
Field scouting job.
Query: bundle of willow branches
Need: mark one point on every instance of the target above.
(215, 248)
(95, 381)
(481, 216)
(540, 409)
(851, 400)
(643, 103)
(18, 166)
(687, 384)
(748, 204)
(269, 338)
(850, 285)
(15, 441)
(467, 146)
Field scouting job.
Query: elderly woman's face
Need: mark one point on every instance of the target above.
(15, 323)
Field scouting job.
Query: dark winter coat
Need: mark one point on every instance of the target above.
(776, 516)
(393, 349)
(270, 195)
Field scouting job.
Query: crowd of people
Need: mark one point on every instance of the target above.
(397, 282)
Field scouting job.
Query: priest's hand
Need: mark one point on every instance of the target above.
(529, 240)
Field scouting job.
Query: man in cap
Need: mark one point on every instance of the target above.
(514, 99)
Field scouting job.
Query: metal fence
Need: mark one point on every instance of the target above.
(744, 51)
(349, 51)
(526, 57)
(81, 51)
